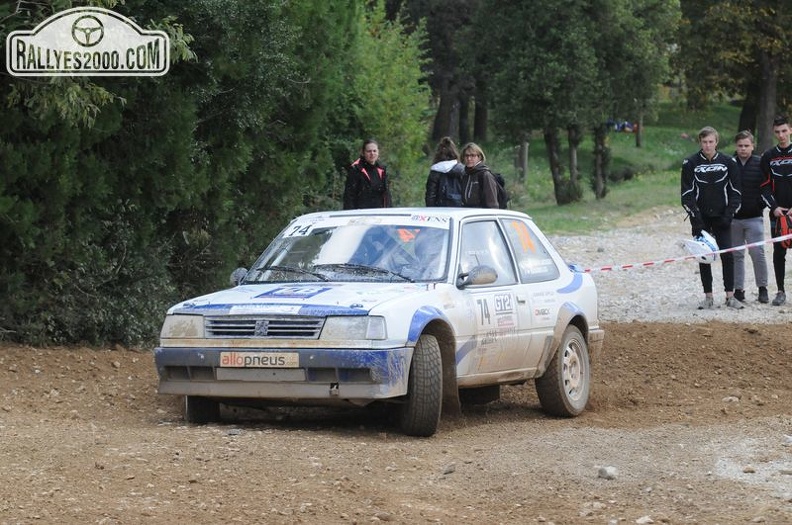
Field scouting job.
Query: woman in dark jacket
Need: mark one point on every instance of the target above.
(444, 184)
(479, 187)
(367, 183)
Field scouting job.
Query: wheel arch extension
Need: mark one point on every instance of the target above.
(593, 336)
(568, 315)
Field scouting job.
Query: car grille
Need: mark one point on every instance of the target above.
(272, 327)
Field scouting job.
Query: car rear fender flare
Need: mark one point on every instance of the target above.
(568, 314)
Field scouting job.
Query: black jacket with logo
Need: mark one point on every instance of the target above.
(710, 188)
(776, 167)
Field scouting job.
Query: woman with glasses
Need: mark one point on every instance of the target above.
(479, 187)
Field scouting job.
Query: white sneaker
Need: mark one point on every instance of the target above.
(707, 304)
(732, 302)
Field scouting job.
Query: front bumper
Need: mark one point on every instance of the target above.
(359, 376)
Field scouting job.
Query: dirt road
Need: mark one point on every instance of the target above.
(692, 422)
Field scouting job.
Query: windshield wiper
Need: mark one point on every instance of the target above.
(293, 269)
(364, 268)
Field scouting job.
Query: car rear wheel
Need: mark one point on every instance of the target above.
(565, 386)
(420, 413)
(201, 410)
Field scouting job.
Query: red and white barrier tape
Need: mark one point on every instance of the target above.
(647, 264)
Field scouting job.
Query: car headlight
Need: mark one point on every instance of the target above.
(183, 326)
(354, 327)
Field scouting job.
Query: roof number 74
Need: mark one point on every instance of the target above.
(299, 230)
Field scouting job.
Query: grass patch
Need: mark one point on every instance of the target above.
(642, 193)
(654, 171)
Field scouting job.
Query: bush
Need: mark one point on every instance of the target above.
(110, 289)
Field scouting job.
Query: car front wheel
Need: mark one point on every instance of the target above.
(420, 413)
(565, 386)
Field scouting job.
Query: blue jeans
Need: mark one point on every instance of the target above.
(748, 231)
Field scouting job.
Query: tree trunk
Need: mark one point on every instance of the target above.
(600, 162)
(750, 107)
(768, 95)
(464, 119)
(574, 191)
(553, 147)
(522, 158)
(480, 118)
(638, 130)
(574, 136)
(442, 126)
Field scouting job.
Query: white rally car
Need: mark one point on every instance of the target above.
(417, 307)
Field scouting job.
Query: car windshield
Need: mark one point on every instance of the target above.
(352, 251)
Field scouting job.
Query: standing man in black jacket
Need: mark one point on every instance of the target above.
(777, 193)
(748, 224)
(711, 197)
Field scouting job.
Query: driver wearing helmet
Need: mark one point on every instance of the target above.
(711, 196)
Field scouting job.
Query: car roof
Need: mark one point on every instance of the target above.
(452, 213)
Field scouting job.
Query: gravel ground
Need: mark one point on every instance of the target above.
(688, 424)
(665, 292)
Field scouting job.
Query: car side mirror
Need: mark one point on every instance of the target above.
(237, 276)
(477, 275)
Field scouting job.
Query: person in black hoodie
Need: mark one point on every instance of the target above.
(711, 196)
(444, 184)
(367, 183)
(479, 187)
(748, 224)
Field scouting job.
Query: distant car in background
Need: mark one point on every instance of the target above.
(415, 307)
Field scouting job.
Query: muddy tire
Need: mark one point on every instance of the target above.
(420, 413)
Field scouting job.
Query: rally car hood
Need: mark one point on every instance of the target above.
(298, 299)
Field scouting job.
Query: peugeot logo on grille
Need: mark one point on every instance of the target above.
(262, 327)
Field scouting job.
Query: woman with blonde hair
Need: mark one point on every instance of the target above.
(479, 187)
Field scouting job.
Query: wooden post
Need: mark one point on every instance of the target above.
(639, 131)
(521, 160)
